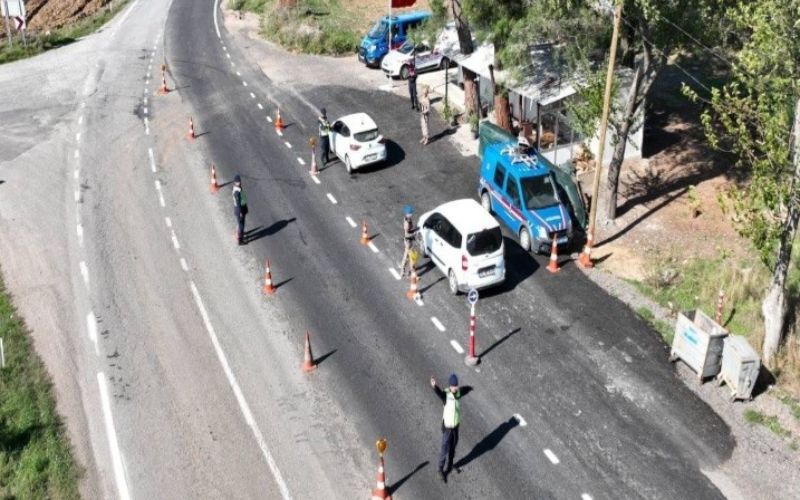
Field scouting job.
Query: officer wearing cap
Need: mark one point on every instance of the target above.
(409, 233)
(324, 127)
(451, 419)
(239, 207)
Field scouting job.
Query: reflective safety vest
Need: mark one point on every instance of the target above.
(242, 196)
(324, 127)
(452, 409)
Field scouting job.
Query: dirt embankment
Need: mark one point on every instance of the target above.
(50, 14)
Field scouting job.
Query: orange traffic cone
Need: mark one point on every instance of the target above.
(585, 259)
(308, 358)
(413, 291)
(553, 265)
(279, 122)
(163, 89)
(313, 170)
(214, 187)
(268, 289)
(364, 234)
(380, 492)
(191, 135)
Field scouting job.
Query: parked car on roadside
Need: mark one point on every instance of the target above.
(396, 63)
(465, 243)
(521, 190)
(355, 140)
(375, 44)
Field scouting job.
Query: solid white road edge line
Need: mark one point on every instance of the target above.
(84, 273)
(216, 23)
(351, 221)
(113, 444)
(394, 273)
(184, 266)
(438, 324)
(91, 328)
(332, 199)
(237, 391)
(457, 347)
(152, 160)
(372, 247)
(551, 456)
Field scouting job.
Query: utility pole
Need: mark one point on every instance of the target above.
(8, 27)
(585, 259)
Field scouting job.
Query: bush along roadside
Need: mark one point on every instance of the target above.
(35, 455)
(311, 26)
(39, 42)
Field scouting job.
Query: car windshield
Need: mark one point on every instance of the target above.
(486, 241)
(538, 192)
(406, 48)
(369, 135)
(378, 30)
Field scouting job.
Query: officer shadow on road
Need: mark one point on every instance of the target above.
(488, 443)
(259, 232)
(392, 488)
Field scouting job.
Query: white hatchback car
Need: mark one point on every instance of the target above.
(355, 140)
(465, 243)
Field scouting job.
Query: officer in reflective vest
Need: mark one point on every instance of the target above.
(239, 207)
(451, 418)
(409, 233)
(324, 127)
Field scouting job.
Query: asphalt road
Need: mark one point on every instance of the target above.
(180, 380)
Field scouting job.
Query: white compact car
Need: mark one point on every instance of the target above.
(465, 243)
(355, 140)
(395, 63)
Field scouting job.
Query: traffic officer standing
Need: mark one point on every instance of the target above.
(412, 82)
(324, 127)
(239, 207)
(451, 418)
(409, 233)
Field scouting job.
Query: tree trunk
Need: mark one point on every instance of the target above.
(462, 28)
(470, 93)
(502, 112)
(774, 305)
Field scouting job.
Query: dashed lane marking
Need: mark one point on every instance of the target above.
(418, 300)
(175, 240)
(315, 179)
(168, 222)
(184, 266)
(330, 197)
(91, 328)
(300, 161)
(351, 221)
(586, 496)
(521, 421)
(438, 324)
(144, 111)
(77, 153)
(78, 137)
(269, 118)
(76, 174)
(238, 73)
(160, 194)
(80, 120)
(225, 48)
(77, 196)
(260, 106)
(551, 456)
(288, 144)
(227, 55)
(278, 131)
(252, 95)
(152, 160)
(146, 126)
(457, 347)
(84, 273)
(113, 444)
(244, 83)
(79, 230)
(144, 101)
(372, 247)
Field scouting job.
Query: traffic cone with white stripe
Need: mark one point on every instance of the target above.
(413, 291)
(364, 233)
(268, 289)
(313, 170)
(279, 122)
(380, 492)
(553, 265)
(191, 136)
(308, 358)
(214, 187)
(585, 259)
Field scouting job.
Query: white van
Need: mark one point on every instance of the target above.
(465, 243)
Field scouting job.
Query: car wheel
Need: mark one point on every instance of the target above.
(452, 282)
(444, 63)
(347, 165)
(525, 239)
(404, 72)
(486, 202)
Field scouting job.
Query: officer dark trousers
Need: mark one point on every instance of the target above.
(412, 92)
(448, 451)
(325, 148)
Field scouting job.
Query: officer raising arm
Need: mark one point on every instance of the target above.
(451, 419)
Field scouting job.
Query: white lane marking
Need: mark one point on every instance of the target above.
(333, 200)
(160, 194)
(76, 174)
(238, 73)
(244, 83)
(147, 81)
(146, 90)
(148, 74)
(457, 347)
(551, 456)
(80, 234)
(152, 159)
(300, 161)
(144, 111)
(288, 144)
(252, 95)
(77, 196)
(84, 273)
(146, 126)
(521, 421)
(372, 247)
(237, 391)
(438, 324)
(278, 131)
(80, 119)
(91, 328)
(78, 137)
(168, 221)
(113, 444)
(233, 64)
(77, 153)
(83, 104)
(260, 106)
(269, 118)
(395, 274)
(351, 221)
(225, 48)
(184, 266)
(175, 240)
(145, 101)
(586, 496)
(216, 23)
(315, 179)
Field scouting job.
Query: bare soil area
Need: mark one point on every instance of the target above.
(50, 14)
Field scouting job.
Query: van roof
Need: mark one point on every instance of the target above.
(467, 215)
(409, 16)
(523, 165)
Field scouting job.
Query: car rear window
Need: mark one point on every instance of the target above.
(483, 242)
(369, 135)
